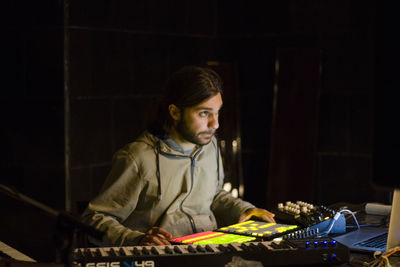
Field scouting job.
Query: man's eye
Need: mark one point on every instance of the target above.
(203, 114)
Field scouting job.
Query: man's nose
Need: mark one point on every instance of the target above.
(213, 122)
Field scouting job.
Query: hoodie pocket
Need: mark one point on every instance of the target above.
(205, 222)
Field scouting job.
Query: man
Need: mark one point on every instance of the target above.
(168, 183)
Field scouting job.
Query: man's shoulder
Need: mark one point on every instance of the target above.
(145, 142)
(214, 142)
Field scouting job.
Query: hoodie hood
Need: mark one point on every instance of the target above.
(158, 139)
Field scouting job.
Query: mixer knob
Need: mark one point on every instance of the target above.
(191, 249)
(168, 250)
(201, 249)
(136, 251)
(286, 208)
(177, 250)
(145, 251)
(209, 248)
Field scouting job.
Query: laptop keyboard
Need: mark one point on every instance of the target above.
(374, 242)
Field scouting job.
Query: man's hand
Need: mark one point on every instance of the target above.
(155, 236)
(259, 213)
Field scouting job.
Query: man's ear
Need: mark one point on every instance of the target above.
(174, 112)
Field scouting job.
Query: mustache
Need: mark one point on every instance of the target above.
(208, 132)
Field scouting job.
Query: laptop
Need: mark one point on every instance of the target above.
(365, 239)
(371, 239)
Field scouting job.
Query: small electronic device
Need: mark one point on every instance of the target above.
(262, 230)
(247, 231)
(311, 216)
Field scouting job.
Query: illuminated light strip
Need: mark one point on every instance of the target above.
(242, 223)
(236, 226)
(263, 229)
(225, 239)
(267, 225)
(282, 229)
(179, 239)
(192, 240)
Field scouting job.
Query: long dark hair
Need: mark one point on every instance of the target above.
(188, 87)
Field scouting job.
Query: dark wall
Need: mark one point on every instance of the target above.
(247, 35)
(32, 100)
(32, 123)
(345, 125)
(343, 31)
(120, 54)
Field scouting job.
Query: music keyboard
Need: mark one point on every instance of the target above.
(267, 253)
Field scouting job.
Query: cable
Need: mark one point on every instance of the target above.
(335, 218)
(364, 225)
(382, 259)
(386, 255)
(354, 217)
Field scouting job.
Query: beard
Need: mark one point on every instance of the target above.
(201, 138)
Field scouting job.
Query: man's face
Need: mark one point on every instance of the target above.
(199, 123)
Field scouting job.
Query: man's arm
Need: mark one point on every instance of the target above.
(115, 234)
(116, 201)
(231, 210)
(262, 214)
(155, 236)
(228, 209)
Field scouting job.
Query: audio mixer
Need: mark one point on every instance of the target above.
(309, 216)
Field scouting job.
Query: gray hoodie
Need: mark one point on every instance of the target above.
(154, 183)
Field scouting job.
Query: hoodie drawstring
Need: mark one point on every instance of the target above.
(158, 170)
(218, 163)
